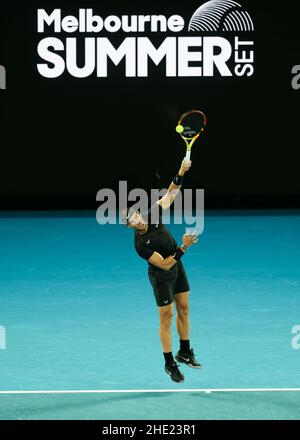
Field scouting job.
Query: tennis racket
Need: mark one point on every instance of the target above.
(190, 126)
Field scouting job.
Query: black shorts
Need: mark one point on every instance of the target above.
(166, 284)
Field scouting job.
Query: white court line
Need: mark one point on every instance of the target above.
(200, 390)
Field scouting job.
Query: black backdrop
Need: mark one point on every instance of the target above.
(64, 139)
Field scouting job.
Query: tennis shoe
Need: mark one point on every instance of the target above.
(174, 372)
(188, 358)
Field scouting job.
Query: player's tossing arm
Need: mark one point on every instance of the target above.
(166, 201)
(166, 263)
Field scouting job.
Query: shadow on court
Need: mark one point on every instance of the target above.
(165, 406)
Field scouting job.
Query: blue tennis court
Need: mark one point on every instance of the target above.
(79, 314)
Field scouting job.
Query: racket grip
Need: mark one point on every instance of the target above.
(188, 155)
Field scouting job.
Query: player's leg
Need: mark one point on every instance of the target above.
(163, 289)
(163, 285)
(182, 293)
(165, 332)
(181, 298)
(183, 318)
(185, 354)
(165, 327)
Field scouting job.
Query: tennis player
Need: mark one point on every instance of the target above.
(154, 243)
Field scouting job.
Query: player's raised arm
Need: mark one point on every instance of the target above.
(166, 201)
(167, 263)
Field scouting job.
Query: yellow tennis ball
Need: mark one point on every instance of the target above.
(179, 128)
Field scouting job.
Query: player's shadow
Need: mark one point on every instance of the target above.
(29, 409)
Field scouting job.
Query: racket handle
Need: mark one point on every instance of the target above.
(188, 155)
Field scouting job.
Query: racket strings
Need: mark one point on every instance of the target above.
(192, 126)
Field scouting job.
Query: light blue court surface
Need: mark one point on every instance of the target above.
(79, 314)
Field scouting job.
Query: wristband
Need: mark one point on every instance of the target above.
(178, 180)
(184, 247)
(178, 254)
